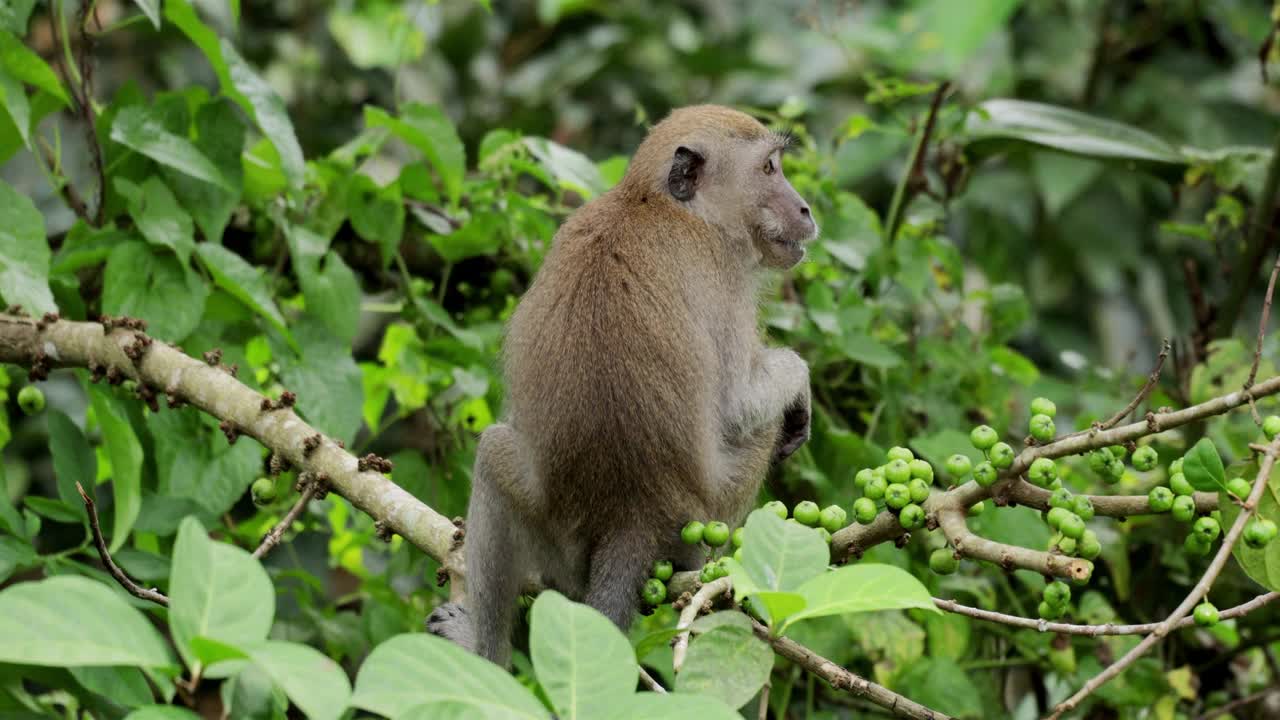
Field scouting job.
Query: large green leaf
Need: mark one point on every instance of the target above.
(326, 378)
(779, 555)
(1004, 120)
(313, 681)
(13, 98)
(729, 663)
(269, 111)
(162, 712)
(243, 281)
(24, 253)
(140, 282)
(194, 461)
(1261, 564)
(72, 621)
(582, 660)
(157, 215)
(126, 686)
(24, 64)
(73, 459)
(217, 591)
(220, 136)
(1203, 467)
(647, 706)
(861, 588)
(418, 669)
(431, 133)
(141, 130)
(125, 452)
(329, 286)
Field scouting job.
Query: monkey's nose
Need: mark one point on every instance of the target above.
(804, 210)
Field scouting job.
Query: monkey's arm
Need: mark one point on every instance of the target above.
(775, 393)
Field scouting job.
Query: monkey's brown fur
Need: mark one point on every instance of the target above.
(640, 395)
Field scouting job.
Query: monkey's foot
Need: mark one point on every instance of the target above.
(451, 622)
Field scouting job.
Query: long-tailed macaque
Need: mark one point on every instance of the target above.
(640, 394)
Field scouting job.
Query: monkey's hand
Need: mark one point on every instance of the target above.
(795, 428)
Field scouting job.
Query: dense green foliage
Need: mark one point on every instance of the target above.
(346, 200)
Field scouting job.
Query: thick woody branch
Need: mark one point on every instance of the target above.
(1197, 593)
(63, 343)
(1093, 630)
(842, 679)
(1009, 557)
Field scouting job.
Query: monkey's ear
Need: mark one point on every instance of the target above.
(686, 167)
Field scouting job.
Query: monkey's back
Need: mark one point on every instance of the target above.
(606, 363)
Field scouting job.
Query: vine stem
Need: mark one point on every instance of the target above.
(1197, 593)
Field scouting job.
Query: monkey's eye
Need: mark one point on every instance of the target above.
(768, 167)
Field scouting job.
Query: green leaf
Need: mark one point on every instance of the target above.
(184, 17)
(431, 133)
(571, 169)
(377, 36)
(1261, 564)
(162, 712)
(125, 686)
(244, 282)
(51, 509)
(778, 555)
(268, 110)
(941, 684)
(1066, 130)
(73, 459)
(151, 8)
(15, 554)
(14, 15)
(139, 282)
(125, 452)
(156, 213)
(376, 214)
(139, 129)
(482, 235)
(416, 669)
(72, 621)
(217, 591)
(953, 32)
(326, 378)
(195, 462)
(582, 660)
(315, 683)
(329, 286)
(647, 706)
(729, 663)
(865, 349)
(14, 100)
(25, 65)
(220, 136)
(24, 253)
(1203, 467)
(861, 588)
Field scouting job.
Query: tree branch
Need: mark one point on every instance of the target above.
(1197, 593)
(273, 538)
(842, 679)
(64, 343)
(700, 599)
(1093, 630)
(1009, 556)
(121, 577)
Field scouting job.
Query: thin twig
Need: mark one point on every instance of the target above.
(705, 594)
(1147, 387)
(650, 682)
(1262, 333)
(841, 679)
(915, 167)
(1237, 704)
(1256, 244)
(273, 538)
(86, 102)
(1197, 593)
(762, 712)
(125, 581)
(1093, 630)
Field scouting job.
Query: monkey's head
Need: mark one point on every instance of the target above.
(725, 167)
